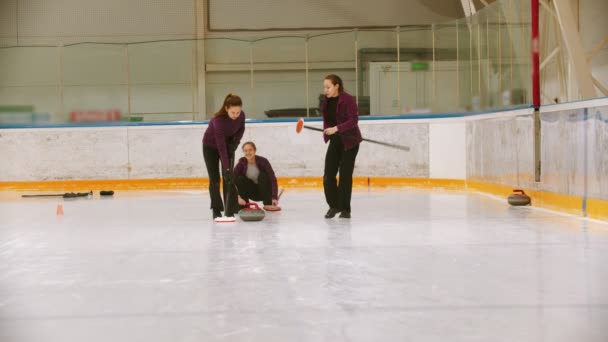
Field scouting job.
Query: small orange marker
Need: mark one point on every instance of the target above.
(59, 210)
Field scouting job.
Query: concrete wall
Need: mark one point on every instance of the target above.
(174, 151)
(575, 150)
(500, 150)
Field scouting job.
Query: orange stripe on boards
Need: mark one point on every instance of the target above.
(203, 183)
(147, 184)
(424, 183)
(489, 188)
(114, 184)
(378, 182)
(563, 203)
(597, 209)
(301, 182)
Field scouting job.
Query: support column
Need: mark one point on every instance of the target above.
(536, 86)
(200, 103)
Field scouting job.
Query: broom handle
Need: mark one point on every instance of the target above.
(404, 148)
(64, 195)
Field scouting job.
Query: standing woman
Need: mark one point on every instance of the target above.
(340, 128)
(221, 139)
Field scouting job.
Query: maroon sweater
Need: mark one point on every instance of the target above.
(347, 117)
(264, 165)
(222, 129)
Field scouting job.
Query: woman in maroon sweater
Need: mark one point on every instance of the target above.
(255, 178)
(221, 139)
(341, 129)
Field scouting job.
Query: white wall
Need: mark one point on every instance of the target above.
(263, 14)
(447, 150)
(8, 22)
(49, 21)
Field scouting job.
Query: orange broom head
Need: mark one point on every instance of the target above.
(300, 125)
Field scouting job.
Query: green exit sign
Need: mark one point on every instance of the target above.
(419, 66)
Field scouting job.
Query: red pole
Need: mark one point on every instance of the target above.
(536, 88)
(535, 55)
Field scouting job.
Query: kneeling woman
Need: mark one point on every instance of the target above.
(255, 179)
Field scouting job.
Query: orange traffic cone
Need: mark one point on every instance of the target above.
(59, 210)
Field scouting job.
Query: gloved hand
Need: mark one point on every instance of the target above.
(226, 176)
(232, 146)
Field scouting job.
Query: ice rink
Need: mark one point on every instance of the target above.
(411, 265)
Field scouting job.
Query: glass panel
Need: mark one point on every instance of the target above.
(521, 93)
(446, 82)
(477, 65)
(162, 79)
(332, 54)
(95, 83)
(465, 67)
(279, 77)
(480, 63)
(416, 77)
(228, 70)
(378, 79)
(29, 85)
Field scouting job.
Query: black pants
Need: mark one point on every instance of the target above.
(248, 190)
(212, 162)
(336, 159)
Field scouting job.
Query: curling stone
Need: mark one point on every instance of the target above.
(519, 197)
(251, 212)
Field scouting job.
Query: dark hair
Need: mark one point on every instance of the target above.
(249, 143)
(335, 79)
(231, 100)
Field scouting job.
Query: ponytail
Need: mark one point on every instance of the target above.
(231, 100)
